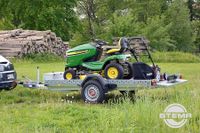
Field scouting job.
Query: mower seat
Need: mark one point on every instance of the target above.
(112, 51)
(122, 46)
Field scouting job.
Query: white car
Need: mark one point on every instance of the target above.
(8, 75)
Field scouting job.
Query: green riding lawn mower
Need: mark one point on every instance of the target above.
(112, 62)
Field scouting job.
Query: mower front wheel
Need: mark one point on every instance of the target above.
(69, 74)
(114, 71)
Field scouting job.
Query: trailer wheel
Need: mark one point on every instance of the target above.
(69, 74)
(114, 71)
(93, 92)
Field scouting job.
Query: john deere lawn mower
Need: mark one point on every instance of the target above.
(87, 58)
(114, 63)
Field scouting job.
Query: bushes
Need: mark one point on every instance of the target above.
(171, 57)
(160, 57)
(41, 57)
(175, 57)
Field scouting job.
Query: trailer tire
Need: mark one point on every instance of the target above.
(92, 92)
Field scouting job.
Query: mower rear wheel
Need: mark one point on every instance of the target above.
(114, 71)
(69, 74)
(130, 71)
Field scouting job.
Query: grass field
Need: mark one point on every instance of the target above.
(26, 110)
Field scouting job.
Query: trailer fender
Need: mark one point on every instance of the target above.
(106, 86)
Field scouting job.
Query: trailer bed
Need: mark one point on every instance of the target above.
(55, 81)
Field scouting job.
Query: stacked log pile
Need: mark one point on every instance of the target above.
(17, 43)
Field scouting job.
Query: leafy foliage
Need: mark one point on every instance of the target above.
(175, 57)
(56, 15)
(180, 31)
(158, 33)
(196, 34)
(42, 57)
(168, 24)
(165, 23)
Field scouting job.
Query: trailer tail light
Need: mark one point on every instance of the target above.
(153, 82)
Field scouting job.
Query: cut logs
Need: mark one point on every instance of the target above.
(17, 43)
(139, 44)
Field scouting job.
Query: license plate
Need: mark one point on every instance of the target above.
(10, 76)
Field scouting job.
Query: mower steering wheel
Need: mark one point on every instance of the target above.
(128, 43)
(100, 43)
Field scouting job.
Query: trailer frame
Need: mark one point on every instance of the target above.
(94, 87)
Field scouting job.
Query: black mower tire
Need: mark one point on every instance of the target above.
(130, 67)
(92, 92)
(119, 68)
(70, 71)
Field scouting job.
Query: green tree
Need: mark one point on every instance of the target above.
(145, 9)
(194, 7)
(181, 30)
(97, 14)
(157, 32)
(56, 15)
(122, 25)
(196, 33)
